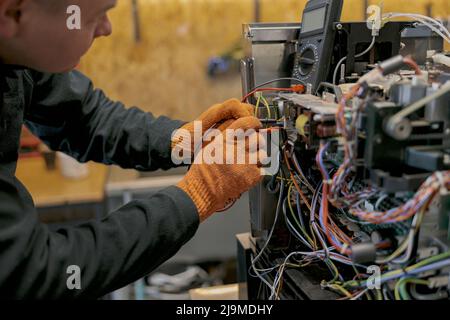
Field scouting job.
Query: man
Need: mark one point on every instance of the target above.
(38, 89)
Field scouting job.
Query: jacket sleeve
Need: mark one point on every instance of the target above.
(69, 115)
(111, 253)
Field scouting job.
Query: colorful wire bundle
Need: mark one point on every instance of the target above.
(321, 240)
(429, 189)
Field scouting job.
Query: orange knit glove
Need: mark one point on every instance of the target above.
(213, 186)
(215, 116)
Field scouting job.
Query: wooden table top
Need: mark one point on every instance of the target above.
(51, 188)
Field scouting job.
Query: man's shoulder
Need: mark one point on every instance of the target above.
(39, 77)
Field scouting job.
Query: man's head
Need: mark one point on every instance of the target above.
(35, 33)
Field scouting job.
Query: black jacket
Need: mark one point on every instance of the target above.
(69, 115)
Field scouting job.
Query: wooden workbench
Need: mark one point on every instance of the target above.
(51, 189)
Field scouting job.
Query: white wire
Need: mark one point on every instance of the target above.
(411, 236)
(279, 274)
(274, 223)
(320, 254)
(438, 23)
(439, 32)
(253, 260)
(359, 295)
(299, 236)
(442, 28)
(380, 200)
(261, 277)
(427, 21)
(409, 248)
(423, 19)
(336, 70)
(419, 17)
(304, 180)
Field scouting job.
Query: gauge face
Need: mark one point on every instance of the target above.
(307, 61)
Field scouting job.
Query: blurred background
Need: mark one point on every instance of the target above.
(170, 48)
(177, 58)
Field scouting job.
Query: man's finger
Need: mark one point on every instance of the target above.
(246, 123)
(231, 109)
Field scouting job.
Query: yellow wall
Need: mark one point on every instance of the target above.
(166, 72)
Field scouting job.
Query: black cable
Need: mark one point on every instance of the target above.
(258, 295)
(273, 186)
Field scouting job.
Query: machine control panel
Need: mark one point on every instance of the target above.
(316, 41)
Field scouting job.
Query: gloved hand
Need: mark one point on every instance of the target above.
(219, 116)
(213, 186)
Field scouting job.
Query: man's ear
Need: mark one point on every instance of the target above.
(10, 12)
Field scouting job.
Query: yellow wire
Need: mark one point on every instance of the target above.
(422, 263)
(284, 179)
(341, 289)
(269, 113)
(405, 281)
(266, 104)
(379, 295)
(335, 270)
(295, 218)
(313, 240)
(257, 105)
(404, 245)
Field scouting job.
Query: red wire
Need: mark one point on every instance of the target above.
(410, 62)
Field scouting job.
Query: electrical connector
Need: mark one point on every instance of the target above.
(374, 20)
(299, 88)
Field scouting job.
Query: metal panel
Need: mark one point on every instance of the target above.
(271, 48)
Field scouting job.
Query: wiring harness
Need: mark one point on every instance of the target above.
(308, 204)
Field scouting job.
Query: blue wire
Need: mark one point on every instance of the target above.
(433, 266)
(299, 210)
(327, 177)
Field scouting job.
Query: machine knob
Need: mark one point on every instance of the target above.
(306, 61)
